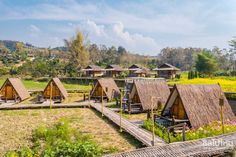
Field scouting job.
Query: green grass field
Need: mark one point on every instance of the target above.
(35, 85)
(227, 83)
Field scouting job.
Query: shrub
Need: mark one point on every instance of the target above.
(210, 130)
(22, 152)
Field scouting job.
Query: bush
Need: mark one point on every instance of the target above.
(210, 130)
(22, 152)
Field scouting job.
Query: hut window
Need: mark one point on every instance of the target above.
(106, 89)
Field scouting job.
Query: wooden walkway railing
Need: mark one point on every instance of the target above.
(139, 133)
(215, 146)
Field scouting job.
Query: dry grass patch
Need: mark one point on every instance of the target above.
(136, 116)
(16, 127)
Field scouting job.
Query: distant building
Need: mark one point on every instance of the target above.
(166, 71)
(30, 56)
(93, 71)
(137, 70)
(113, 70)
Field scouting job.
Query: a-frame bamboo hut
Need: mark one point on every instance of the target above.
(105, 87)
(145, 93)
(55, 90)
(13, 90)
(196, 104)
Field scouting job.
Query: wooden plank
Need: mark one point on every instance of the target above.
(203, 147)
(38, 106)
(140, 134)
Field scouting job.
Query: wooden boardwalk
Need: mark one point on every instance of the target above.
(215, 146)
(139, 133)
(41, 106)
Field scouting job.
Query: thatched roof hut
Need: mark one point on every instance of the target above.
(197, 103)
(137, 70)
(13, 89)
(56, 88)
(105, 87)
(113, 70)
(166, 71)
(93, 71)
(143, 90)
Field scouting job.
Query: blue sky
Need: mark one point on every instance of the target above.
(142, 26)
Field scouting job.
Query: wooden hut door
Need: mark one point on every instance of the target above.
(178, 109)
(9, 92)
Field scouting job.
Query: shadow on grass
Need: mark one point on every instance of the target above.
(132, 140)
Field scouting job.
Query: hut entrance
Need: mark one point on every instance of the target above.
(8, 92)
(55, 91)
(99, 91)
(177, 109)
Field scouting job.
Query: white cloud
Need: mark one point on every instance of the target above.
(92, 27)
(115, 34)
(34, 28)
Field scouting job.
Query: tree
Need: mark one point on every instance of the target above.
(232, 54)
(78, 50)
(206, 63)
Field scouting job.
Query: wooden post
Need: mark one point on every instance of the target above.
(168, 131)
(129, 108)
(221, 103)
(153, 124)
(120, 110)
(89, 100)
(183, 131)
(51, 95)
(102, 103)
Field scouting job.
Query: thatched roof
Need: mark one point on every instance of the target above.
(150, 88)
(135, 67)
(60, 86)
(141, 71)
(166, 66)
(114, 67)
(18, 87)
(108, 85)
(93, 68)
(201, 103)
